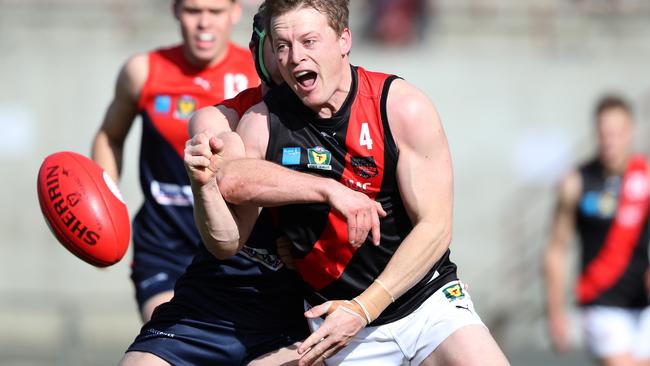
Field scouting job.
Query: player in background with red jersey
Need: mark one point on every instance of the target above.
(165, 87)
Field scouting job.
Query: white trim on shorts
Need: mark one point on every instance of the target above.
(611, 331)
(411, 339)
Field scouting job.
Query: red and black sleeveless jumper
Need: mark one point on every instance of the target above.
(356, 148)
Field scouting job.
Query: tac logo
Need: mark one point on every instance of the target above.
(185, 106)
(454, 292)
(319, 158)
(358, 186)
(364, 166)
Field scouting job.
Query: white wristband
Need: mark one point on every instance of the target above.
(365, 311)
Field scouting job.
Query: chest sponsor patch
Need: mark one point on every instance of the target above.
(185, 106)
(319, 158)
(364, 166)
(291, 156)
(162, 104)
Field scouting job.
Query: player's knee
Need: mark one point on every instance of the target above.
(142, 359)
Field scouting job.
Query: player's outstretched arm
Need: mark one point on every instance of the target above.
(555, 260)
(257, 182)
(108, 144)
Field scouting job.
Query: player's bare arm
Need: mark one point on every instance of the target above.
(224, 229)
(555, 259)
(424, 175)
(215, 120)
(108, 145)
(257, 182)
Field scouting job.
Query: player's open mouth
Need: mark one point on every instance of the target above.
(205, 40)
(306, 79)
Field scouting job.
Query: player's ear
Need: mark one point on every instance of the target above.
(235, 12)
(345, 41)
(176, 8)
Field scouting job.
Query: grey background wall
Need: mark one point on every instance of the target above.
(514, 82)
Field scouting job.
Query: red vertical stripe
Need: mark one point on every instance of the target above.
(332, 252)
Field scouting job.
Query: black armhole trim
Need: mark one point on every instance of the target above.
(388, 136)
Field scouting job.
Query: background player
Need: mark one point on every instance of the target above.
(326, 121)
(165, 87)
(607, 201)
(228, 312)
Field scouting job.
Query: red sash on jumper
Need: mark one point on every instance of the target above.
(612, 260)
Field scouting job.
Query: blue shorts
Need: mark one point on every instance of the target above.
(160, 257)
(152, 275)
(181, 338)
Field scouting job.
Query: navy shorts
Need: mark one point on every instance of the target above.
(180, 338)
(152, 274)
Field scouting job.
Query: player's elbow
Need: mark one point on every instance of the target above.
(223, 250)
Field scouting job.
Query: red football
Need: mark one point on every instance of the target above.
(83, 208)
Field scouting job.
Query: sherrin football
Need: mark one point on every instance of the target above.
(83, 208)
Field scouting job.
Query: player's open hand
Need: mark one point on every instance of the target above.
(344, 320)
(361, 212)
(203, 154)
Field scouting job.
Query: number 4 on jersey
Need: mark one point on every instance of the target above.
(364, 137)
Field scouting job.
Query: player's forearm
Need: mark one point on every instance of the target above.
(216, 224)
(108, 154)
(554, 273)
(418, 253)
(265, 184)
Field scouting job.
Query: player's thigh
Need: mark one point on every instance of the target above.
(471, 345)
(134, 358)
(286, 356)
(152, 303)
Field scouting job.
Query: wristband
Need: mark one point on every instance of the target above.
(365, 311)
(392, 298)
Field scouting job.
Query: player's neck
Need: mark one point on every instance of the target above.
(336, 101)
(204, 64)
(616, 167)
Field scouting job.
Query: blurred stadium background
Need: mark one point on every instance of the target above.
(514, 81)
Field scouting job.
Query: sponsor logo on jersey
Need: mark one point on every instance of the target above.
(262, 256)
(291, 156)
(364, 166)
(185, 106)
(454, 292)
(162, 104)
(319, 158)
(357, 186)
(203, 83)
(168, 194)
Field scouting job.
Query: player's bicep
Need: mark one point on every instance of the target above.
(212, 120)
(564, 215)
(124, 105)
(253, 129)
(424, 170)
